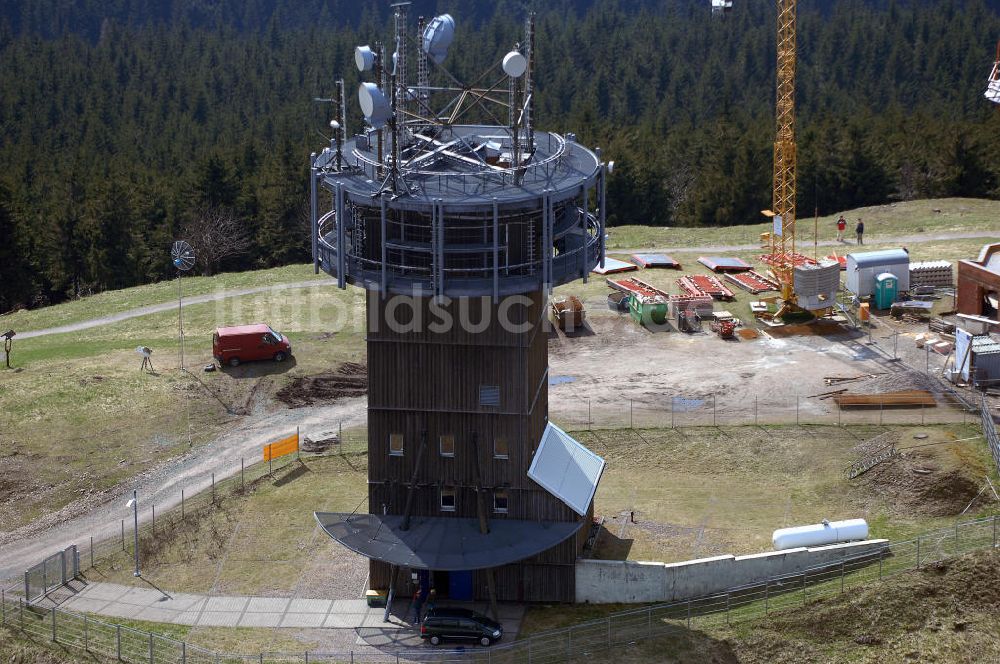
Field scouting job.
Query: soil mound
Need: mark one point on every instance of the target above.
(346, 381)
(912, 483)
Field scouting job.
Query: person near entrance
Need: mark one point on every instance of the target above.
(860, 230)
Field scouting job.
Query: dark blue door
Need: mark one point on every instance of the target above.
(460, 586)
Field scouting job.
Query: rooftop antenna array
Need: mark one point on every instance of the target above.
(409, 123)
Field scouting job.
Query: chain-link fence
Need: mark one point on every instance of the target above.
(72, 630)
(990, 431)
(56, 570)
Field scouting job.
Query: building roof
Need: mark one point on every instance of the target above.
(444, 543)
(256, 328)
(879, 258)
(566, 469)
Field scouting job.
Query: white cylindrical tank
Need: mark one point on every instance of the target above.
(819, 534)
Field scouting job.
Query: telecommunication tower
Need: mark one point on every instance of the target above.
(458, 216)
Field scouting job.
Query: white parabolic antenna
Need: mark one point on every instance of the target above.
(438, 36)
(374, 105)
(364, 58)
(514, 64)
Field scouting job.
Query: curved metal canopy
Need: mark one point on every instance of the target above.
(444, 543)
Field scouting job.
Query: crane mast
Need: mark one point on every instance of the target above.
(783, 202)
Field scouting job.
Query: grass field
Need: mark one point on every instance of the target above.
(934, 216)
(696, 492)
(79, 418)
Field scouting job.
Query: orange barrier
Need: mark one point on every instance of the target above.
(282, 447)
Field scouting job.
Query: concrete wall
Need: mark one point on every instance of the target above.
(607, 581)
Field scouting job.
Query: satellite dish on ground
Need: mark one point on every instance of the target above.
(364, 58)
(515, 64)
(438, 36)
(374, 105)
(182, 255)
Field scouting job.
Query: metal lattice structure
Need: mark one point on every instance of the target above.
(783, 239)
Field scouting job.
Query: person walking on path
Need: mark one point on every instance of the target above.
(430, 601)
(860, 230)
(841, 227)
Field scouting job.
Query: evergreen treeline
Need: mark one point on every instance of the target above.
(125, 122)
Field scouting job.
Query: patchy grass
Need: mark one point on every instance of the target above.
(111, 302)
(264, 542)
(81, 418)
(957, 215)
(704, 491)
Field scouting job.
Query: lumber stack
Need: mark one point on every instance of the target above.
(903, 399)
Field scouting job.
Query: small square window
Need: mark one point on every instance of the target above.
(395, 444)
(446, 444)
(448, 499)
(500, 448)
(489, 395)
(500, 501)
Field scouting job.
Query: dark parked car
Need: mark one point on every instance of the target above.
(441, 624)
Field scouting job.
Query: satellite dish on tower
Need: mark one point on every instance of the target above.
(364, 58)
(182, 255)
(515, 64)
(374, 105)
(438, 36)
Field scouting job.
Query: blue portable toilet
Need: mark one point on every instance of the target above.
(886, 289)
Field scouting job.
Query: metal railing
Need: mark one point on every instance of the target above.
(79, 631)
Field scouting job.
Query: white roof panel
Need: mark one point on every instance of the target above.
(566, 469)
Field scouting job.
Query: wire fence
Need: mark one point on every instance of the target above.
(158, 521)
(990, 431)
(80, 631)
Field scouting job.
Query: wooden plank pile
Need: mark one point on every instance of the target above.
(902, 399)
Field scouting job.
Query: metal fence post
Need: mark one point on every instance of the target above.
(151, 659)
(54, 637)
(86, 634)
(118, 642)
(184, 652)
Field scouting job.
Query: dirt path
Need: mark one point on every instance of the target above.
(162, 486)
(871, 239)
(169, 306)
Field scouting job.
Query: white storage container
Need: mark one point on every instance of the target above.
(820, 534)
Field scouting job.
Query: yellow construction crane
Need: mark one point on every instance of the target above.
(782, 258)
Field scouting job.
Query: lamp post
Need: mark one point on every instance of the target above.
(134, 504)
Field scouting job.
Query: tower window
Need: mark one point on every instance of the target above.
(500, 501)
(446, 444)
(500, 449)
(448, 499)
(489, 395)
(395, 444)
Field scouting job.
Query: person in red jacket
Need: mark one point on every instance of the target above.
(841, 227)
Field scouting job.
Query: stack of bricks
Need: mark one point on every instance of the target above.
(936, 274)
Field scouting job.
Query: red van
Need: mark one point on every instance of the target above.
(245, 343)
